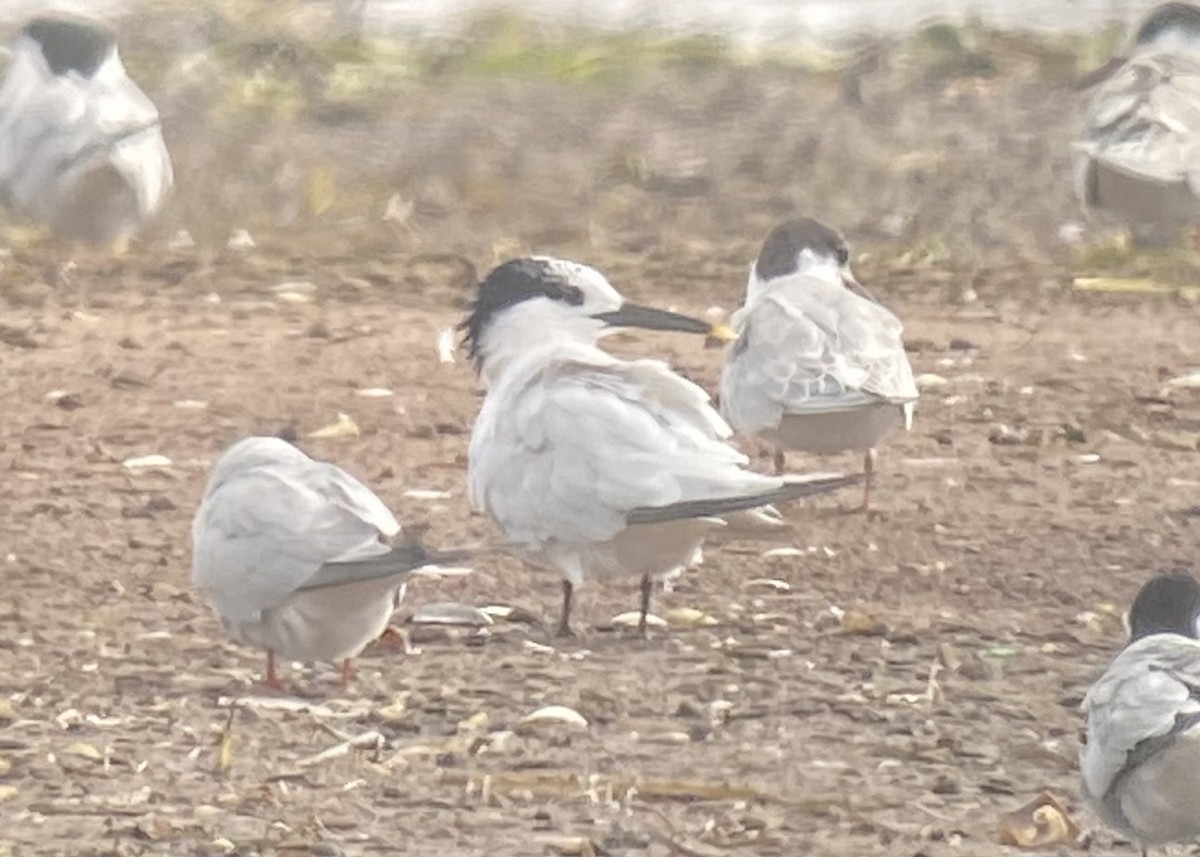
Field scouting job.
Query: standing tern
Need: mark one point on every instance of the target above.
(1138, 160)
(818, 365)
(81, 147)
(1141, 761)
(590, 464)
(298, 556)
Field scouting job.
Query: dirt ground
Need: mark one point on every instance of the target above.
(913, 677)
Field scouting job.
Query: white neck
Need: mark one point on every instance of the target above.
(808, 264)
(529, 325)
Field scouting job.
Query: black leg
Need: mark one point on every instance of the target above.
(780, 462)
(647, 590)
(564, 621)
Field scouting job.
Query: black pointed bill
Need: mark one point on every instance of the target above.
(649, 318)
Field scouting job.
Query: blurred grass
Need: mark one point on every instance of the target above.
(320, 140)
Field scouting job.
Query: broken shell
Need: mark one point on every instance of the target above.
(374, 393)
(445, 345)
(779, 552)
(450, 613)
(689, 617)
(633, 617)
(1041, 822)
(139, 462)
(552, 715)
(772, 583)
(343, 427)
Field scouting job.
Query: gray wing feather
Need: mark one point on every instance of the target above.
(812, 346)
(1144, 121)
(263, 534)
(568, 451)
(1136, 704)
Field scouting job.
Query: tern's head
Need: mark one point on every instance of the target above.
(526, 302)
(1166, 604)
(70, 46)
(249, 453)
(1171, 27)
(802, 247)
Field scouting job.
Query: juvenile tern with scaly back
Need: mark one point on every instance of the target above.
(590, 464)
(1138, 160)
(818, 364)
(81, 147)
(298, 556)
(1141, 759)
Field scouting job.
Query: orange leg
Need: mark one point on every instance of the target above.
(780, 462)
(348, 673)
(272, 680)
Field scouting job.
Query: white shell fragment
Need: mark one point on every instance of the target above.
(553, 715)
(929, 379)
(778, 552)
(450, 613)
(424, 494)
(141, 462)
(689, 617)
(303, 287)
(240, 239)
(633, 617)
(343, 427)
(772, 583)
(445, 345)
(1190, 381)
(374, 393)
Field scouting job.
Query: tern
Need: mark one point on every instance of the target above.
(1141, 760)
(298, 556)
(590, 464)
(81, 147)
(818, 364)
(1138, 158)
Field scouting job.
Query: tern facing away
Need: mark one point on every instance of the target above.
(590, 464)
(818, 364)
(81, 148)
(1141, 762)
(298, 556)
(1138, 160)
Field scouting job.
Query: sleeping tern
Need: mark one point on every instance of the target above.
(298, 556)
(590, 464)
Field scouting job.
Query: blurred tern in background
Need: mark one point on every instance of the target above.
(298, 556)
(1141, 760)
(590, 464)
(1139, 157)
(818, 365)
(81, 148)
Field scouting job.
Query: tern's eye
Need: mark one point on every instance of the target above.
(843, 254)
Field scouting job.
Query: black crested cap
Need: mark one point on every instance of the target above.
(1167, 17)
(70, 45)
(782, 247)
(509, 284)
(1166, 604)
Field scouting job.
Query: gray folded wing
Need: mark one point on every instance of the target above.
(569, 452)
(271, 530)
(811, 346)
(1149, 693)
(1144, 123)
